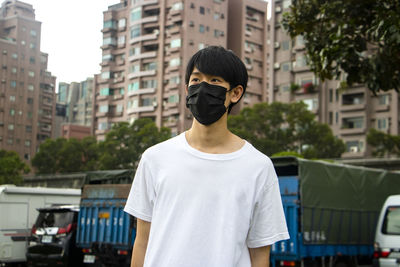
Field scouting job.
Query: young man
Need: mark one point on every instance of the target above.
(207, 198)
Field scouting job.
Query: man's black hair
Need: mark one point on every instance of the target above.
(216, 60)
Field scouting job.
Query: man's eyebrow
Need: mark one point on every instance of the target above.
(197, 73)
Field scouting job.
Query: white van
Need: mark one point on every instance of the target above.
(18, 212)
(387, 237)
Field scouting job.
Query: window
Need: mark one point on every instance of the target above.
(13, 70)
(103, 108)
(285, 88)
(31, 87)
(391, 221)
(33, 33)
(330, 119)
(103, 126)
(147, 102)
(312, 104)
(150, 66)
(10, 141)
(135, 31)
(29, 114)
(27, 143)
(354, 146)
(134, 68)
(32, 60)
(353, 123)
(175, 62)
(285, 45)
(176, 43)
(217, 33)
(12, 98)
(136, 14)
(301, 61)
(11, 127)
(202, 10)
(121, 40)
(177, 6)
(201, 46)
(382, 123)
(217, 15)
(175, 79)
(119, 108)
(299, 40)
(173, 99)
(122, 23)
(105, 91)
(14, 56)
(286, 3)
(29, 100)
(28, 128)
(149, 84)
(109, 41)
(13, 84)
(108, 57)
(330, 95)
(109, 24)
(336, 117)
(31, 73)
(106, 75)
(201, 28)
(32, 46)
(133, 86)
(337, 95)
(286, 66)
(12, 112)
(134, 51)
(133, 103)
(383, 99)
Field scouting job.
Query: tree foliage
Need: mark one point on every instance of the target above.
(11, 167)
(121, 149)
(360, 38)
(278, 127)
(125, 143)
(383, 144)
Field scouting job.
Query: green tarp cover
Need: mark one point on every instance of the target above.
(340, 204)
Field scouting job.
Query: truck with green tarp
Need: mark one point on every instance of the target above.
(331, 211)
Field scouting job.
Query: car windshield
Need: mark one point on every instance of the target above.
(391, 224)
(54, 218)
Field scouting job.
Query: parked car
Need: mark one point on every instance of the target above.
(387, 237)
(18, 212)
(53, 238)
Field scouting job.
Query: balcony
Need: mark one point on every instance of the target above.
(352, 131)
(141, 74)
(141, 109)
(101, 114)
(147, 37)
(146, 20)
(354, 107)
(381, 108)
(142, 91)
(143, 55)
(145, 3)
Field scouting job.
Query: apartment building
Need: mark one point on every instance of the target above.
(74, 107)
(147, 44)
(247, 35)
(27, 94)
(350, 113)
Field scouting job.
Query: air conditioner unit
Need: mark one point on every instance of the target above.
(277, 65)
(354, 149)
(278, 9)
(276, 44)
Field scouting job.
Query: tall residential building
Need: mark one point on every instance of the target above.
(27, 97)
(350, 113)
(74, 105)
(147, 44)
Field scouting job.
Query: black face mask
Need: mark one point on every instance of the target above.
(206, 102)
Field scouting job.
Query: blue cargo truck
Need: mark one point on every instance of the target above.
(331, 211)
(105, 232)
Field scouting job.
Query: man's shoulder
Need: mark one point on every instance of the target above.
(256, 155)
(165, 147)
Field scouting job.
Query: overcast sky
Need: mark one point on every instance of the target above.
(71, 35)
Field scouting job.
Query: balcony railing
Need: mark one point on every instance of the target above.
(142, 91)
(141, 109)
(142, 74)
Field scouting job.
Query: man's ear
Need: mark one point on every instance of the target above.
(236, 93)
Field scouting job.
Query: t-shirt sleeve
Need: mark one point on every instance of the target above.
(141, 196)
(268, 223)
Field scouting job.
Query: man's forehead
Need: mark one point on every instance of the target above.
(197, 72)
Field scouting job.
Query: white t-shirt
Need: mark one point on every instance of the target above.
(206, 209)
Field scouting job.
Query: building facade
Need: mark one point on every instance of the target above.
(147, 44)
(349, 112)
(27, 96)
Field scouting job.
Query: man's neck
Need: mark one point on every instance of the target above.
(214, 138)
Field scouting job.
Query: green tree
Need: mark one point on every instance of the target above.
(11, 167)
(277, 127)
(360, 38)
(383, 144)
(47, 159)
(125, 143)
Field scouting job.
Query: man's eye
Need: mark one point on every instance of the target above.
(215, 80)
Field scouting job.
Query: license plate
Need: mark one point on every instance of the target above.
(89, 259)
(47, 239)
